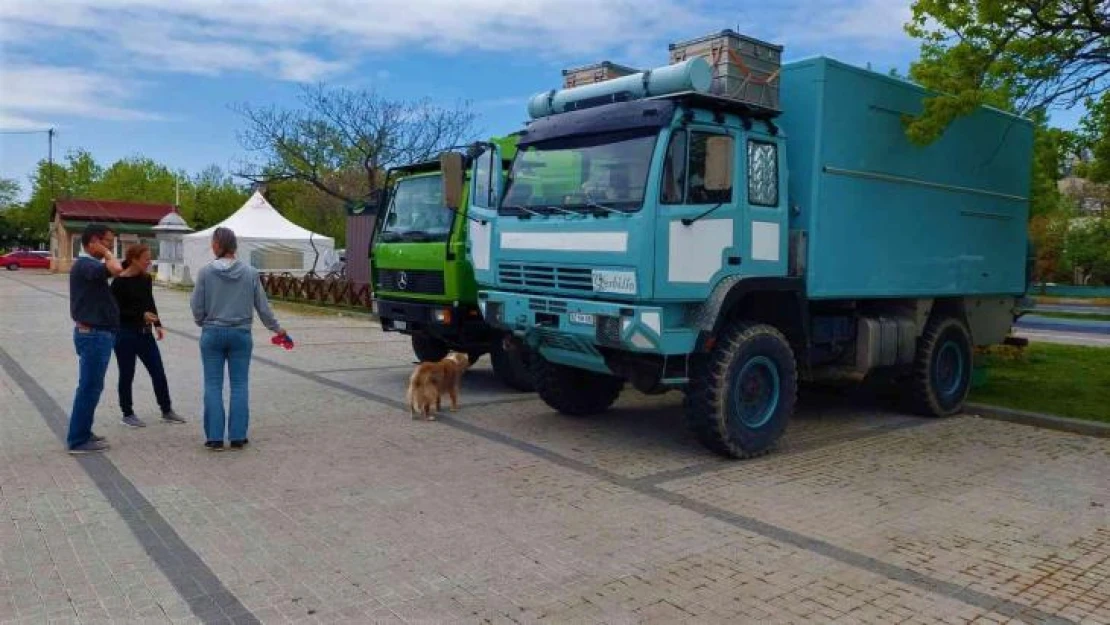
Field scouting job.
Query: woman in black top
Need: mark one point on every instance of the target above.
(139, 324)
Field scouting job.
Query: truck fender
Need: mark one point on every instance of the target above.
(712, 314)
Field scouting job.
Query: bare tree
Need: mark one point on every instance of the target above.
(336, 131)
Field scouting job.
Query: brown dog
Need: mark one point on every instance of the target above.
(430, 380)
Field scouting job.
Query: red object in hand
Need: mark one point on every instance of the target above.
(284, 340)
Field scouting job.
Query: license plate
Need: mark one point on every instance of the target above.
(582, 318)
(400, 325)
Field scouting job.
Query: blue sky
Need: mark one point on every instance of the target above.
(150, 77)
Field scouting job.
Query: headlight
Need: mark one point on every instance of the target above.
(492, 311)
(443, 316)
(608, 330)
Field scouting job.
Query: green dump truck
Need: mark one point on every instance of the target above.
(423, 282)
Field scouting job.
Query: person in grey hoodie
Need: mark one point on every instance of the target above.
(226, 295)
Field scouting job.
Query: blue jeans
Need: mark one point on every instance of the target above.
(233, 347)
(94, 352)
(135, 343)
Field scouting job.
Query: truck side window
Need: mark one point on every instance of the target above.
(697, 193)
(763, 173)
(482, 187)
(674, 170)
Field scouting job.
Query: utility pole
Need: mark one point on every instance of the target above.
(50, 160)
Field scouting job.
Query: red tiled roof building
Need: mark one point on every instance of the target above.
(133, 222)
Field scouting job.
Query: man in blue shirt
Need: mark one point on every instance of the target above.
(96, 321)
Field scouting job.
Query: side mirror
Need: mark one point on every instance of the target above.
(451, 167)
(718, 163)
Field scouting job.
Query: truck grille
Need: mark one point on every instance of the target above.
(544, 305)
(411, 281)
(566, 342)
(545, 276)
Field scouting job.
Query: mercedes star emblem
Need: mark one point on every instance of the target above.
(403, 281)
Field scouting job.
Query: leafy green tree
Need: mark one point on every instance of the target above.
(9, 193)
(1037, 54)
(1095, 139)
(135, 179)
(210, 197)
(1087, 250)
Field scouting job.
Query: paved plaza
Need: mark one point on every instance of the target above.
(343, 509)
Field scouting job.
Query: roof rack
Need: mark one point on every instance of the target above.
(720, 103)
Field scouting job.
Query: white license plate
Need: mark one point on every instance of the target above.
(582, 318)
(400, 325)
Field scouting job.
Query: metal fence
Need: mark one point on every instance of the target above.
(332, 289)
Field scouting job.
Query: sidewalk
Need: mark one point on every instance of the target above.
(343, 509)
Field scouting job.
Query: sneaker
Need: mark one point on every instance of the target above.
(169, 416)
(132, 421)
(214, 445)
(239, 444)
(88, 448)
(96, 438)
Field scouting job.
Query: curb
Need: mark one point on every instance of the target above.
(1036, 419)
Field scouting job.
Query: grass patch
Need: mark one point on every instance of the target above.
(1063, 380)
(1084, 301)
(1071, 315)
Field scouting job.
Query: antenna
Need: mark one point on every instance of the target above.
(176, 190)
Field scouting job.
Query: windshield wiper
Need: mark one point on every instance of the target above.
(593, 204)
(419, 236)
(565, 211)
(523, 209)
(689, 221)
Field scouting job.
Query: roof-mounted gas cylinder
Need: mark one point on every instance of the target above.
(691, 75)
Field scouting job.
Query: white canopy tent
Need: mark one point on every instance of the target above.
(267, 241)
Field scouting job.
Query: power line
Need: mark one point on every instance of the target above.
(26, 132)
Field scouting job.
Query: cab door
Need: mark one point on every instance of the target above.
(700, 222)
(765, 253)
(484, 196)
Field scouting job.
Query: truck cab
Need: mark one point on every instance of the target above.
(695, 242)
(423, 281)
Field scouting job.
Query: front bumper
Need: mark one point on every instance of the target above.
(459, 326)
(574, 326)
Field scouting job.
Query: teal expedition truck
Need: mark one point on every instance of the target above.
(728, 248)
(423, 282)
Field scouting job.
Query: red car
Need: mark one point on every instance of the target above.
(28, 260)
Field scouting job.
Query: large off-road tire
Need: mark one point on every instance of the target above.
(510, 360)
(742, 394)
(941, 375)
(428, 348)
(571, 391)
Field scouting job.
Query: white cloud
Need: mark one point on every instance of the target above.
(35, 95)
(302, 41)
(867, 24)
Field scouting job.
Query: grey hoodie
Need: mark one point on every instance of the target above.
(227, 293)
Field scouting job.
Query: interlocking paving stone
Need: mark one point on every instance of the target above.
(344, 510)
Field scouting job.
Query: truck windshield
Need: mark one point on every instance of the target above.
(416, 211)
(582, 174)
